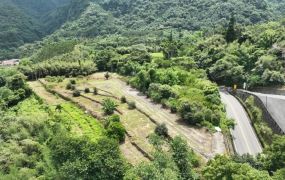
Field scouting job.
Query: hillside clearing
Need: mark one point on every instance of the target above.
(199, 139)
(131, 153)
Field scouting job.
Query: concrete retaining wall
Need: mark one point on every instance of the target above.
(270, 90)
(266, 115)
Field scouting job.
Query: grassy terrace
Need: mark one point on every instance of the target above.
(73, 118)
(80, 123)
(141, 122)
(138, 126)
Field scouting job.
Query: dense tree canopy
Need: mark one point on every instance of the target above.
(91, 18)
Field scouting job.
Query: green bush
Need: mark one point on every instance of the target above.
(107, 75)
(2, 81)
(161, 130)
(95, 91)
(157, 92)
(76, 93)
(192, 113)
(123, 99)
(87, 90)
(73, 87)
(109, 106)
(131, 105)
(114, 118)
(72, 81)
(69, 86)
(173, 109)
(116, 130)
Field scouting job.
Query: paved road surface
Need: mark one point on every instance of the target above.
(275, 105)
(244, 137)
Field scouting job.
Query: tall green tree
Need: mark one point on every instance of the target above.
(182, 157)
(231, 32)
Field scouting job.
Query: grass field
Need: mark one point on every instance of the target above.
(70, 116)
(79, 122)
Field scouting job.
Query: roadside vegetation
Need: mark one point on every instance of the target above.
(263, 131)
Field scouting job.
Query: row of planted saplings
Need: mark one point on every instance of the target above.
(76, 93)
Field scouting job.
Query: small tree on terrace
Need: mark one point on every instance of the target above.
(161, 130)
(109, 106)
(58, 108)
(95, 91)
(107, 75)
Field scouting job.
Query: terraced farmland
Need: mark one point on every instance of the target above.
(135, 145)
(141, 122)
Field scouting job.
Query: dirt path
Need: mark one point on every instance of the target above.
(130, 152)
(41, 92)
(203, 142)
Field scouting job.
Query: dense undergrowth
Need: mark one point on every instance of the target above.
(41, 141)
(264, 132)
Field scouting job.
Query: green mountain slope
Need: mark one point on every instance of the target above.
(143, 16)
(16, 28)
(21, 22)
(90, 18)
(71, 11)
(39, 7)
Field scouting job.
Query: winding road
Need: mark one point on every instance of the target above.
(244, 138)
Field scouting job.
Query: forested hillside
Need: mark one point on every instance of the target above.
(21, 21)
(101, 17)
(144, 17)
(253, 55)
(16, 29)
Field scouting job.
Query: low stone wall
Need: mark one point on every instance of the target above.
(266, 115)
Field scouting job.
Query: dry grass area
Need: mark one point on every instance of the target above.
(40, 91)
(131, 153)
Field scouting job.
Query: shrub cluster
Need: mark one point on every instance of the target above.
(161, 130)
(87, 90)
(109, 106)
(131, 105)
(115, 129)
(76, 93)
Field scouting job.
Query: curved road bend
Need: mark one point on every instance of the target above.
(244, 138)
